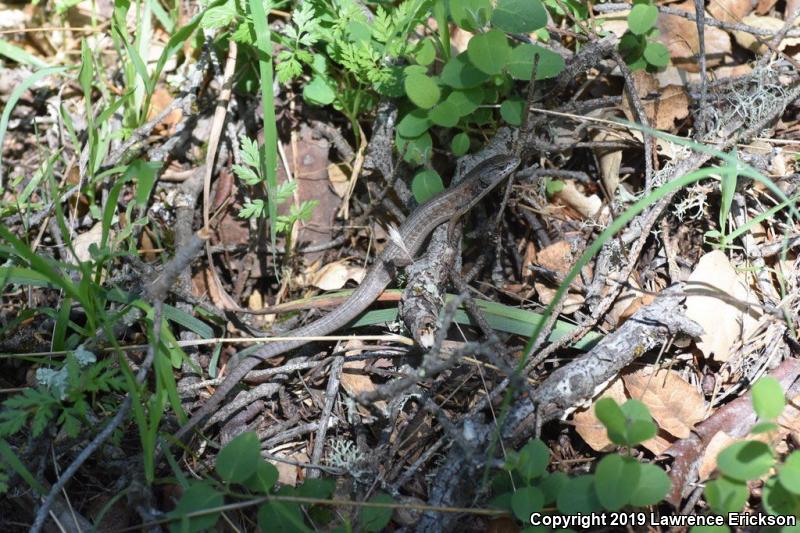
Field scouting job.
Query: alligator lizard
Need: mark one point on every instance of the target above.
(420, 223)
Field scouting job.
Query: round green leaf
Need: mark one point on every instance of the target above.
(525, 501)
(726, 495)
(639, 424)
(653, 486)
(551, 485)
(779, 501)
(553, 187)
(319, 92)
(641, 18)
(417, 150)
(239, 458)
(376, 518)
(710, 529)
(460, 73)
(422, 90)
(615, 480)
(426, 52)
(460, 144)
(511, 111)
(789, 473)
(426, 184)
(414, 69)
(533, 459)
(768, 398)
(745, 460)
(414, 124)
(264, 478)
(520, 64)
(763, 427)
(317, 488)
(198, 497)
(609, 413)
(656, 54)
(578, 496)
(489, 51)
(466, 101)
(283, 517)
(470, 14)
(631, 47)
(519, 16)
(445, 114)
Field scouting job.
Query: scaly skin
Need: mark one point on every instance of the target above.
(449, 204)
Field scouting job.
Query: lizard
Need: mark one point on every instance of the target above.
(447, 205)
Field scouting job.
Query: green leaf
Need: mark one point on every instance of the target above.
(779, 501)
(376, 518)
(726, 495)
(426, 184)
(415, 151)
(446, 114)
(710, 529)
(641, 18)
(526, 500)
(639, 424)
(520, 63)
(553, 187)
(237, 461)
(319, 91)
(615, 480)
(763, 427)
(533, 459)
(264, 477)
(745, 460)
(470, 14)
(653, 486)
(414, 124)
(519, 16)
(768, 398)
(460, 73)
(460, 144)
(144, 176)
(466, 101)
(198, 497)
(511, 111)
(610, 414)
(422, 90)
(426, 52)
(489, 51)
(789, 473)
(281, 517)
(219, 16)
(631, 47)
(551, 485)
(317, 488)
(578, 496)
(656, 54)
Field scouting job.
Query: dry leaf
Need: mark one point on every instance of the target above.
(722, 304)
(556, 257)
(339, 180)
(680, 37)
(353, 378)
(610, 161)
(82, 242)
(589, 426)
(730, 10)
(333, 276)
(587, 206)
(217, 293)
(718, 442)
(674, 404)
(663, 106)
(748, 40)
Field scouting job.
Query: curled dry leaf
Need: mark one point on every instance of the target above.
(339, 180)
(333, 276)
(722, 304)
(679, 35)
(610, 161)
(676, 405)
(588, 206)
(730, 10)
(82, 242)
(749, 41)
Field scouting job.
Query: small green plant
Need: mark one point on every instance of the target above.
(749, 460)
(243, 475)
(638, 45)
(250, 173)
(618, 481)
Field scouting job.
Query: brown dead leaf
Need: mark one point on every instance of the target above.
(680, 37)
(610, 161)
(353, 378)
(339, 180)
(333, 276)
(674, 404)
(587, 205)
(160, 101)
(718, 442)
(663, 105)
(730, 10)
(556, 257)
(217, 293)
(589, 426)
(722, 304)
(748, 40)
(83, 241)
